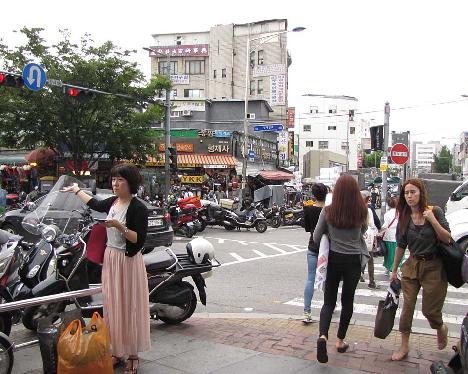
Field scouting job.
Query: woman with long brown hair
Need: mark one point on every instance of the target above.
(345, 222)
(419, 229)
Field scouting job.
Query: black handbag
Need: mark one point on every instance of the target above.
(452, 257)
(385, 318)
(382, 247)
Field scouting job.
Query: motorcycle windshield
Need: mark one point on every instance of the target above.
(56, 208)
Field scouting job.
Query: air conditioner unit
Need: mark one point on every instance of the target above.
(186, 113)
(250, 115)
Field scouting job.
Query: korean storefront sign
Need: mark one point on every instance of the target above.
(180, 78)
(188, 50)
(192, 105)
(195, 179)
(291, 115)
(277, 90)
(180, 147)
(283, 138)
(267, 70)
(207, 133)
(218, 148)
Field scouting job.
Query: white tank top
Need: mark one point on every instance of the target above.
(115, 238)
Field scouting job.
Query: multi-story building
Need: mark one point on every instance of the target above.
(212, 64)
(463, 154)
(422, 156)
(328, 123)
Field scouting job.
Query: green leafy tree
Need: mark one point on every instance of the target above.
(443, 161)
(97, 126)
(373, 159)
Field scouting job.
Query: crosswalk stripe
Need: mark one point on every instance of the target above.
(261, 254)
(367, 309)
(237, 257)
(463, 289)
(275, 248)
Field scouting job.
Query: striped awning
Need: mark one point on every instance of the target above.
(197, 161)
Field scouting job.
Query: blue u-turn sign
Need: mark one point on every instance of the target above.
(34, 77)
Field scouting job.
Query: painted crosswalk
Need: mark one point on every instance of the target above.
(366, 301)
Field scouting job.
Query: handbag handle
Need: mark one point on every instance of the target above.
(391, 223)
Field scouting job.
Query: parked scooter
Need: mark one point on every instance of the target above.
(289, 217)
(211, 214)
(172, 299)
(271, 214)
(247, 219)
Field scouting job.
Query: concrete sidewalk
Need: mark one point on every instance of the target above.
(212, 343)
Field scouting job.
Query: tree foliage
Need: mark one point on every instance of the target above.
(373, 159)
(443, 161)
(99, 126)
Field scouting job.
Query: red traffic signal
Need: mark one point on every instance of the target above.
(78, 93)
(11, 80)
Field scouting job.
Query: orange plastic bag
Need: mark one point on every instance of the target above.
(85, 350)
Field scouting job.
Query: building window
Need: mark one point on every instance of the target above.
(344, 146)
(223, 73)
(352, 130)
(214, 74)
(331, 127)
(332, 109)
(173, 94)
(260, 86)
(260, 57)
(179, 40)
(194, 93)
(307, 128)
(252, 59)
(162, 67)
(309, 143)
(175, 113)
(252, 87)
(194, 67)
(314, 109)
(323, 144)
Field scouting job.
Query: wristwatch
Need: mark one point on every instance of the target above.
(126, 230)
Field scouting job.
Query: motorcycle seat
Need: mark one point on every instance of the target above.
(156, 261)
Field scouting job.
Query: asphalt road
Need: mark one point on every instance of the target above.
(265, 273)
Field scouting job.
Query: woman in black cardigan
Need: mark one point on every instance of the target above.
(124, 282)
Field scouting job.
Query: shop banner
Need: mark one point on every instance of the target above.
(187, 50)
(291, 115)
(283, 138)
(195, 179)
(267, 70)
(277, 90)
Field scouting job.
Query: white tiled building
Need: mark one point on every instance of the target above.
(422, 156)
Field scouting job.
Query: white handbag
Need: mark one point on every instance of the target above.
(322, 263)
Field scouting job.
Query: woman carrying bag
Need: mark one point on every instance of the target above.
(345, 220)
(419, 229)
(124, 282)
(388, 234)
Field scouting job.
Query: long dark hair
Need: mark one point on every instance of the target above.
(348, 209)
(404, 210)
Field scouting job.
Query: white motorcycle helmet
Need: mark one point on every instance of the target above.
(200, 250)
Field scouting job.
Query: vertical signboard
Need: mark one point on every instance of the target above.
(291, 146)
(283, 138)
(278, 90)
(291, 115)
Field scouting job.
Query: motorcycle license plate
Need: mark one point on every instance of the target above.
(289, 215)
(155, 222)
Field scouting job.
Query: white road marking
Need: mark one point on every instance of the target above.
(272, 246)
(372, 310)
(294, 246)
(261, 254)
(259, 258)
(237, 257)
(463, 289)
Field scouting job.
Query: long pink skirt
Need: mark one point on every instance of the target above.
(125, 301)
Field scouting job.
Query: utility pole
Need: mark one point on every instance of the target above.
(167, 133)
(383, 196)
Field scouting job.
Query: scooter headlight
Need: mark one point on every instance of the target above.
(49, 233)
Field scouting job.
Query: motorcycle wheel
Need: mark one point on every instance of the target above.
(6, 354)
(189, 232)
(32, 315)
(183, 313)
(275, 222)
(203, 226)
(261, 226)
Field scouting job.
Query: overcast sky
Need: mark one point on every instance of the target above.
(412, 53)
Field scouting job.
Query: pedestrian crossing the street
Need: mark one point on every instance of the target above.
(366, 301)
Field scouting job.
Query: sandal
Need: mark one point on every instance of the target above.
(322, 355)
(132, 365)
(343, 348)
(116, 361)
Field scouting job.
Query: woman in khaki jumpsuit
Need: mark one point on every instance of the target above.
(419, 229)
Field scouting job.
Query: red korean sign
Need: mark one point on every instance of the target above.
(399, 154)
(291, 115)
(189, 50)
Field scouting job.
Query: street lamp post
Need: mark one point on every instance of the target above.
(246, 93)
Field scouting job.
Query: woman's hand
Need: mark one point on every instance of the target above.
(428, 214)
(113, 223)
(393, 276)
(73, 188)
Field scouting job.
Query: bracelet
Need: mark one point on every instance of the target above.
(76, 193)
(126, 230)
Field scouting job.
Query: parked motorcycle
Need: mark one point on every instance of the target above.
(172, 299)
(211, 214)
(22, 266)
(247, 219)
(271, 214)
(289, 217)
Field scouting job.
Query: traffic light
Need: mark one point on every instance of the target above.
(78, 93)
(11, 80)
(172, 158)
